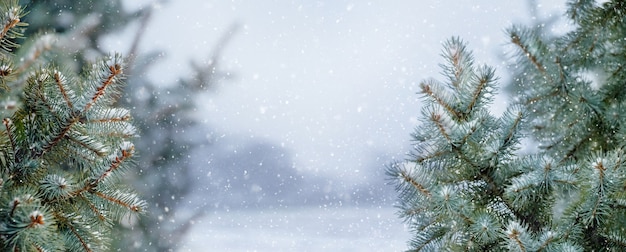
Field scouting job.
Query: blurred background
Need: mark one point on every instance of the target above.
(267, 125)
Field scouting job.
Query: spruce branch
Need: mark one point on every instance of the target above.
(109, 73)
(569, 194)
(516, 38)
(439, 96)
(577, 10)
(63, 149)
(8, 127)
(60, 80)
(519, 238)
(459, 67)
(458, 151)
(125, 153)
(10, 16)
(404, 175)
(88, 143)
(484, 77)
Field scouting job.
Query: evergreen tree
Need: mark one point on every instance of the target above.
(466, 185)
(170, 132)
(64, 147)
(164, 115)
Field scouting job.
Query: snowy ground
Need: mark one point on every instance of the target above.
(304, 229)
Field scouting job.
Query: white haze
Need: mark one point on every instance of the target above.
(333, 82)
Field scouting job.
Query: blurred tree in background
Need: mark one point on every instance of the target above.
(170, 132)
(81, 24)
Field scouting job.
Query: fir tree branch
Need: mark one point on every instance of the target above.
(514, 235)
(8, 125)
(60, 81)
(11, 20)
(87, 143)
(456, 53)
(473, 129)
(436, 118)
(559, 67)
(616, 238)
(51, 138)
(515, 38)
(56, 138)
(419, 187)
(114, 165)
(93, 208)
(430, 232)
(109, 116)
(115, 71)
(548, 239)
(36, 219)
(426, 89)
(82, 240)
(16, 202)
(132, 207)
(479, 91)
(519, 238)
(571, 151)
(599, 167)
(117, 162)
(510, 136)
(421, 158)
(578, 9)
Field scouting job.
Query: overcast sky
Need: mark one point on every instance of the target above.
(334, 82)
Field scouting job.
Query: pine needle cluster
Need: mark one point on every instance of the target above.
(63, 149)
(467, 186)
